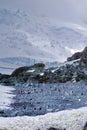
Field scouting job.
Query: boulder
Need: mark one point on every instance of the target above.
(25, 69)
(26, 73)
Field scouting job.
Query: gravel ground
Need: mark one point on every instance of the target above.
(38, 99)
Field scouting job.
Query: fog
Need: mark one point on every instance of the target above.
(68, 10)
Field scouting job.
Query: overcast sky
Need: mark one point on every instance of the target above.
(61, 9)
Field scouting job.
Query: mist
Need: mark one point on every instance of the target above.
(64, 10)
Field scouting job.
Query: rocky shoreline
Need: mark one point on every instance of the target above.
(71, 71)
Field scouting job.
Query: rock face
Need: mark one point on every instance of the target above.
(63, 74)
(85, 127)
(83, 60)
(79, 55)
(75, 56)
(23, 70)
(4, 78)
(22, 74)
(84, 53)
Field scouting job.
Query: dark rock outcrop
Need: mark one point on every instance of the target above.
(85, 127)
(78, 55)
(4, 78)
(63, 74)
(68, 72)
(22, 74)
(83, 60)
(75, 56)
(23, 70)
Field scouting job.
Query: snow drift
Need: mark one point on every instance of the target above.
(69, 120)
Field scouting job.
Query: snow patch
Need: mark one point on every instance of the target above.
(69, 119)
(30, 71)
(41, 74)
(5, 96)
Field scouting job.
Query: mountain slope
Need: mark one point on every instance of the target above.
(36, 37)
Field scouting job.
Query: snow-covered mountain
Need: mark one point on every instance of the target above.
(37, 37)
